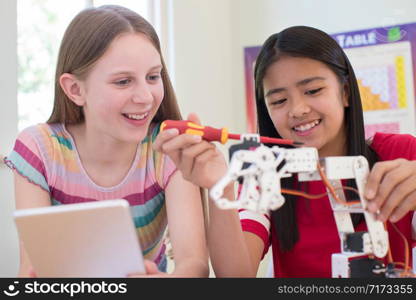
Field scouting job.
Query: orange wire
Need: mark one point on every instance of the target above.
(406, 246)
(328, 184)
(318, 196)
(330, 188)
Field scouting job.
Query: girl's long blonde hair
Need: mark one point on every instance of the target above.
(85, 40)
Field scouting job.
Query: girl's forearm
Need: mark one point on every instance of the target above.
(229, 253)
(191, 267)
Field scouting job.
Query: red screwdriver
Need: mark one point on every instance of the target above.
(211, 134)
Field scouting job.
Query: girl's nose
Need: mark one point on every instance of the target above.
(299, 108)
(142, 94)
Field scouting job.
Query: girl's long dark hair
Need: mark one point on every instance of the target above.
(303, 41)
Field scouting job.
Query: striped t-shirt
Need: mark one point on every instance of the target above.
(46, 155)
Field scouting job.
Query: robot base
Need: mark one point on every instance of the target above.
(356, 266)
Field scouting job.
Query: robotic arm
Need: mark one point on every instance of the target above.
(261, 192)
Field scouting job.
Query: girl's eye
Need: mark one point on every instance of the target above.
(277, 102)
(153, 77)
(123, 82)
(312, 92)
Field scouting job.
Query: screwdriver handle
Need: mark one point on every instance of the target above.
(208, 133)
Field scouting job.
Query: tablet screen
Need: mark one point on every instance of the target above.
(93, 239)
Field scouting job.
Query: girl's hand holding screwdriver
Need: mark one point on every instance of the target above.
(211, 134)
(199, 160)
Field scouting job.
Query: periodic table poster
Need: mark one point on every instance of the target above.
(384, 61)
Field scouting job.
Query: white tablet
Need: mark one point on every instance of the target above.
(93, 239)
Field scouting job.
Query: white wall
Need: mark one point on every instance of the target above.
(8, 130)
(203, 58)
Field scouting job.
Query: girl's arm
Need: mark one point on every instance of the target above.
(186, 228)
(234, 253)
(28, 195)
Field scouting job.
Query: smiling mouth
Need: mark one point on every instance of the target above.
(308, 126)
(136, 116)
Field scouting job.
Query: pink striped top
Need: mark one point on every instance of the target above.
(46, 155)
